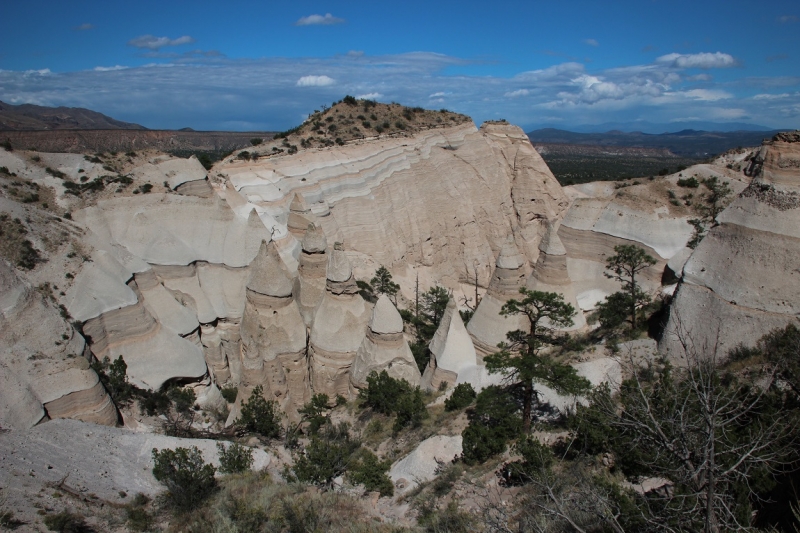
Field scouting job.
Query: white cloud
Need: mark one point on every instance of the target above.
(591, 42)
(315, 81)
(707, 95)
(700, 77)
(151, 42)
(314, 20)
(40, 72)
(85, 26)
(517, 93)
(767, 96)
(369, 96)
(787, 19)
(703, 60)
(109, 69)
(438, 94)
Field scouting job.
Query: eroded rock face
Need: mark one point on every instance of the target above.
(384, 348)
(309, 286)
(550, 273)
(451, 350)
(742, 280)
(273, 334)
(381, 198)
(40, 379)
(339, 328)
(488, 327)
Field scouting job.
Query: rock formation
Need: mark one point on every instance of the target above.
(41, 378)
(385, 204)
(273, 334)
(742, 279)
(339, 328)
(550, 273)
(451, 350)
(300, 216)
(309, 286)
(384, 348)
(487, 327)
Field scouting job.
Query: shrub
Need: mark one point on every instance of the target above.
(260, 416)
(183, 398)
(234, 459)
(66, 522)
(463, 395)
(350, 100)
(229, 393)
(410, 410)
(371, 472)
(256, 141)
(383, 392)
(327, 456)
(7, 145)
(692, 183)
(244, 155)
(494, 421)
(536, 457)
(189, 480)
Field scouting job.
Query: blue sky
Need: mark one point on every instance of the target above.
(258, 65)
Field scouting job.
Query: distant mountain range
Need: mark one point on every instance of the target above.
(685, 143)
(656, 128)
(29, 117)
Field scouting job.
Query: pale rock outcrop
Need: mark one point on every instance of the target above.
(451, 350)
(594, 226)
(386, 205)
(742, 279)
(310, 283)
(339, 328)
(180, 174)
(273, 334)
(423, 463)
(168, 229)
(111, 463)
(300, 216)
(550, 273)
(40, 378)
(384, 348)
(488, 327)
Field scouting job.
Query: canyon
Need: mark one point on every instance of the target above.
(246, 275)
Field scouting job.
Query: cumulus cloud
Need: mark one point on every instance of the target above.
(83, 27)
(591, 42)
(151, 42)
(315, 81)
(271, 93)
(703, 60)
(318, 20)
(369, 96)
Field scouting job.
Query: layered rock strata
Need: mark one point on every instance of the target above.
(488, 327)
(386, 204)
(40, 378)
(742, 279)
(339, 328)
(384, 348)
(451, 349)
(273, 334)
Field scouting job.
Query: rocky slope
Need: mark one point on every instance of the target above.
(742, 280)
